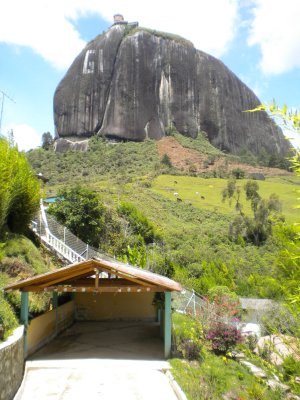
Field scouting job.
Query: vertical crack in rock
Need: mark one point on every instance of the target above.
(107, 95)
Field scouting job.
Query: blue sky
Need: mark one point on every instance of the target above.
(259, 40)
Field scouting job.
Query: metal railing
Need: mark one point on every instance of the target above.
(64, 250)
(62, 240)
(59, 238)
(72, 249)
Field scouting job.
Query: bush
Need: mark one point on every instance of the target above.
(251, 342)
(223, 337)
(82, 212)
(290, 368)
(166, 160)
(188, 336)
(226, 303)
(7, 317)
(280, 320)
(138, 222)
(19, 189)
(189, 349)
(238, 173)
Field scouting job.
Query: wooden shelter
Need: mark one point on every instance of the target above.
(97, 276)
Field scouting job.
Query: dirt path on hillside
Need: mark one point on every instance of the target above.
(189, 160)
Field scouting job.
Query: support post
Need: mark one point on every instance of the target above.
(158, 315)
(24, 317)
(55, 305)
(168, 325)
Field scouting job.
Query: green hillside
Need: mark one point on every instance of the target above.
(207, 193)
(149, 213)
(195, 230)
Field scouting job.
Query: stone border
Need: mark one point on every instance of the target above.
(177, 389)
(15, 336)
(11, 364)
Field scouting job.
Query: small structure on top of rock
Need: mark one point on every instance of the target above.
(119, 19)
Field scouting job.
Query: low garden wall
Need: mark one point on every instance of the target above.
(45, 327)
(11, 364)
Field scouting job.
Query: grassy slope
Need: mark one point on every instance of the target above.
(209, 376)
(187, 188)
(196, 230)
(103, 160)
(196, 237)
(214, 376)
(20, 259)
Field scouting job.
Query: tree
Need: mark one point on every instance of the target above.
(258, 228)
(138, 222)
(82, 212)
(20, 191)
(47, 140)
(166, 160)
(291, 121)
(238, 173)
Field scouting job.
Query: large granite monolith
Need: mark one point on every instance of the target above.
(133, 83)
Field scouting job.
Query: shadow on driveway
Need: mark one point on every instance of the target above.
(105, 340)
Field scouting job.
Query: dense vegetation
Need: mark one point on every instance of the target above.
(19, 189)
(103, 160)
(204, 375)
(223, 377)
(192, 234)
(122, 198)
(19, 258)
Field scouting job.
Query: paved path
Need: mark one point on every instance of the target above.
(106, 361)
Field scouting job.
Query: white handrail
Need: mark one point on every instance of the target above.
(62, 248)
(43, 215)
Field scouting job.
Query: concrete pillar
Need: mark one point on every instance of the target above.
(24, 317)
(168, 325)
(55, 305)
(55, 299)
(158, 315)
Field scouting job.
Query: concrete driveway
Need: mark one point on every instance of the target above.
(100, 360)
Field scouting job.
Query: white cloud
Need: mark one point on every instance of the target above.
(210, 25)
(25, 136)
(46, 25)
(42, 26)
(276, 29)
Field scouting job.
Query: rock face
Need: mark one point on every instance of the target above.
(133, 84)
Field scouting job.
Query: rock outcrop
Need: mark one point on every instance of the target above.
(133, 84)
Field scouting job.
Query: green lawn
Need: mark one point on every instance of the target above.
(207, 193)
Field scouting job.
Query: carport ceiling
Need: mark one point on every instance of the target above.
(87, 276)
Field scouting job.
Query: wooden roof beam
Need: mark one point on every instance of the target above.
(128, 277)
(103, 289)
(57, 280)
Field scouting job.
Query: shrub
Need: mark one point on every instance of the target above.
(279, 319)
(166, 160)
(138, 222)
(19, 189)
(290, 368)
(226, 303)
(223, 337)
(238, 173)
(265, 352)
(251, 342)
(81, 211)
(188, 336)
(7, 317)
(189, 349)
